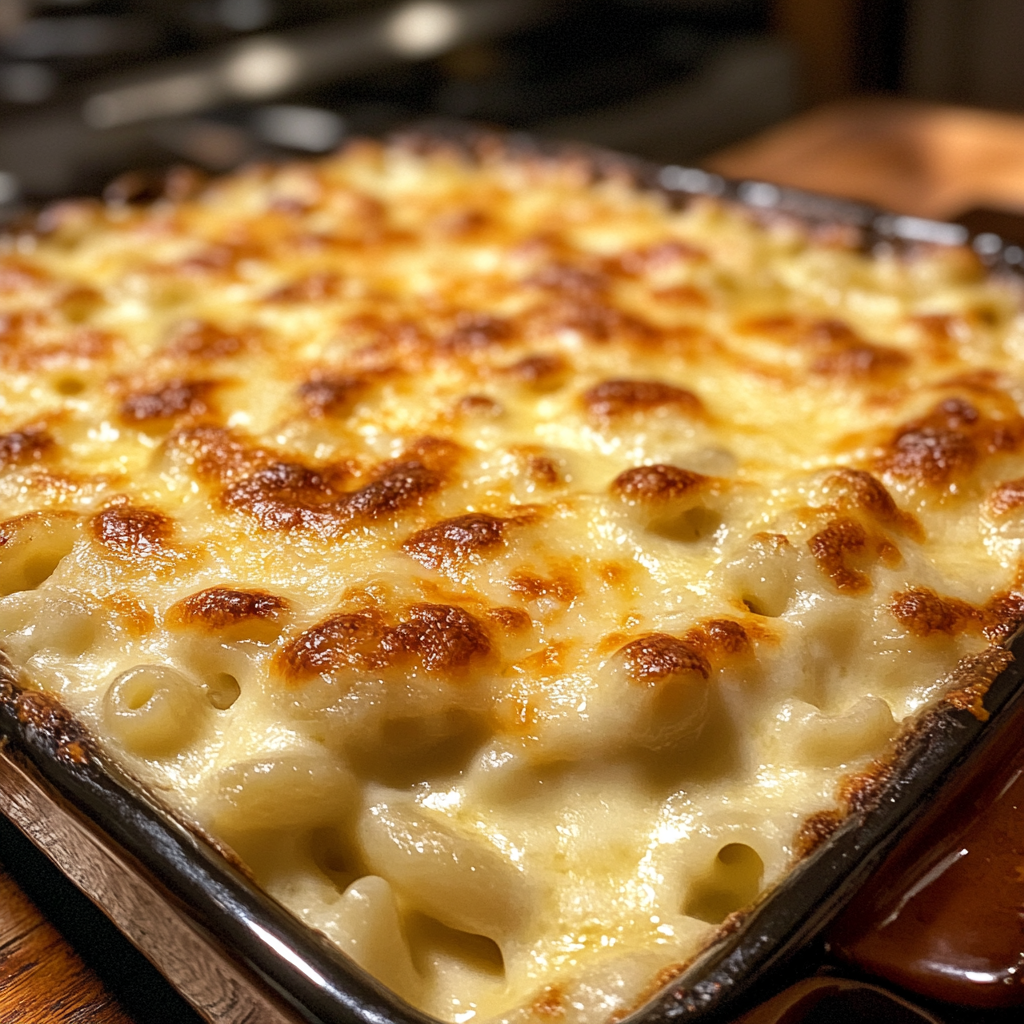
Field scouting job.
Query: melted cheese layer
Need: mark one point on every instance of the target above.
(507, 565)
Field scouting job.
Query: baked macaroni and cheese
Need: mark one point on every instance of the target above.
(516, 571)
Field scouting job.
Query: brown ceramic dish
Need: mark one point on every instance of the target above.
(237, 955)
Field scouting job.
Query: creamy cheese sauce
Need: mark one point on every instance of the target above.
(504, 563)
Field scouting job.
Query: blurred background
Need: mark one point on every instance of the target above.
(89, 88)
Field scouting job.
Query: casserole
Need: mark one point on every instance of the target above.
(851, 533)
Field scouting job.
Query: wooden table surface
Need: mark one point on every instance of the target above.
(62, 962)
(916, 158)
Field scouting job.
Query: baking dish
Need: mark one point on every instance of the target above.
(307, 973)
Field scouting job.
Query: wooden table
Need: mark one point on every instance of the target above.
(61, 962)
(917, 158)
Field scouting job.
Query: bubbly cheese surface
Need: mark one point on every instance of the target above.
(507, 564)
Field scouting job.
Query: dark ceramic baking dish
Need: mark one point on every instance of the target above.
(241, 958)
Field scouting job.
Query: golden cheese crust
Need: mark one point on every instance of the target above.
(509, 565)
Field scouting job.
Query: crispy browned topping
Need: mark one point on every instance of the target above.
(658, 656)
(540, 371)
(440, 639)
(569, 280)
(452, 542)
(614, 398)
(401, 486)
(215, 453)
(838, 351)
(662, 254)
(475, 331)
(170, 400)
(657, 483)
(1004, 614)
(543, 470)
(480, 406)
(814, 830)
(1006, 497)
(201, 340)
(858, 489)
(549, 1005)
(217, 608)
(44, 713)
(719, 638)
(132, 533)
(948, 443)
(346, 638)
(563, 586)
(772, 542)
(22, 446)
(832, 546)
(512, 620)
(925, 613)
(312, 288)
(289, 496)
(132, 614)
(330, 394)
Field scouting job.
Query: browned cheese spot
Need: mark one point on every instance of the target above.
(453, 542)
(549, 1004)
(541, 372)
(346, 638)
(658, 656)
(657, 483)
(479, 407)
(612, 399)
(441, 639)
(17, 275)
(638, 262)
(512, 620)
(168, 401)
(831, 548)
(400, 486)
(216, 454)
(1005, 497)
(1004, 614)
(45, 713)
(833, 347)
(814, 830)
(474, 332)
(199, 339)
(133, 533)
(28, 341)
(564, 587)
(579, 302)
(79, 303)
(312, 288)
(838, 351)
(134, 616)
(19, 447)
(217, 260)
(941, 332)
(948, 443)
(287, 496)
(327, 394)
(543, 470)
(719, 638)
(569, 280)
(924, 613)
(218, 608)
(858, 489)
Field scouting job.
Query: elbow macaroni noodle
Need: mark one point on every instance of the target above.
(504, 563)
